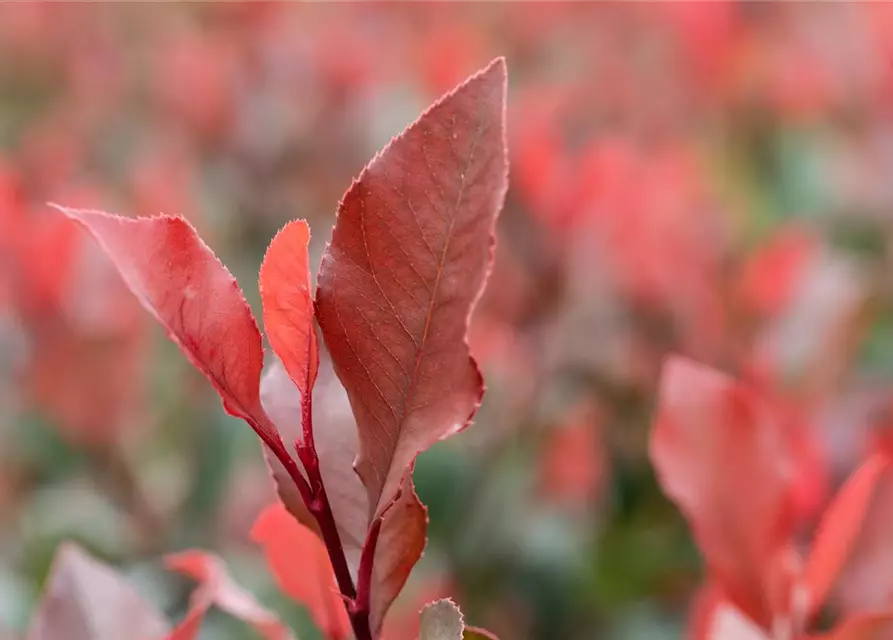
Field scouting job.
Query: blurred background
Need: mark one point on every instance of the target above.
(713, 179)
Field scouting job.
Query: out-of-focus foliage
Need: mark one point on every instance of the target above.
(707, 179)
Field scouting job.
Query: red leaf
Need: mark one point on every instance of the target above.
(302, 569)
(409, 256)
(288, 318)
(839, 529)
(85, 599)
(216, 587)
(865, 582)
(572, 466)
(181, 282)
(288, 308)
(400, 545)
(720, 454)
(771, 275)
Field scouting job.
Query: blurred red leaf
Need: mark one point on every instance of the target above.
(217, 588)
(302, 569)
(865, 581)
(48, 249)
(572, 464)
(839, 529)
(771, 275)
(720, 455)
(85, 599)
(410, 252)
(813, 338)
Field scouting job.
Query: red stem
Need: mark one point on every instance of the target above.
(313, 493)
(361, 605)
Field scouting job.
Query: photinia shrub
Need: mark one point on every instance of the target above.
(411, 251)
(725, 454)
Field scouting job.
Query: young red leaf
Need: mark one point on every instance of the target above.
(284, 283)
(720, 454)
(411, 250)
(217, 588)
(288, 309)
(865, 581)
(181, 282)
(400, 545)
(302, 569)
(839, 529)
(85, 599)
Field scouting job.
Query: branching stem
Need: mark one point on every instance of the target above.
(313, 493)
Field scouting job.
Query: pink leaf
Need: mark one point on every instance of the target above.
(720, 454)
(302, 569)
(195, 298)
(409, 256)
(336, 447)
(840, 527)
(217, 588)
(730, 624)
(85, 599)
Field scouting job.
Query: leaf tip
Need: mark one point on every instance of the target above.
(497, 67)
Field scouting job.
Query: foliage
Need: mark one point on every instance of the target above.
(684, 335)
(398, 282)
